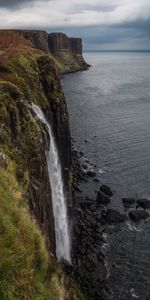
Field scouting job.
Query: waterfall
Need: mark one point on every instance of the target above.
(58, 197)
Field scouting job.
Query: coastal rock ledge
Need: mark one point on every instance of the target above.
(67, 51)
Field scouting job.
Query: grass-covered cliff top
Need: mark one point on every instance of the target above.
(28, 270)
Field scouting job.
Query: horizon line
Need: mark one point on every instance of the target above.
(117, 50)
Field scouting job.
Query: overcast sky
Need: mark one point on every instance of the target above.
(103, 24)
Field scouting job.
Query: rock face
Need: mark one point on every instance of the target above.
(61, 42)
(39, 39)
(29, 75)
(67, 51)
(57, 113)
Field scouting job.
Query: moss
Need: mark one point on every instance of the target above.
(23, 256)
(67, 61)
(12, 89)
(27, 270)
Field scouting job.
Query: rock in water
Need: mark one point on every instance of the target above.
(128, 202)
(91, 174)
(102, 199)
(138, 215)
(96, 180)
(106, 190)
(114, 217)
(144, 203)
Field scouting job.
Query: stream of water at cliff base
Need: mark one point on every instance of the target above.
(58, 197)
(109, 106)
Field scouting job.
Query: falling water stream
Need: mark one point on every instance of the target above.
(58, 197)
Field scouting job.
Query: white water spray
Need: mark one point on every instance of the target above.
(58, 197)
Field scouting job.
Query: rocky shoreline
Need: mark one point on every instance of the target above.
(92, 218)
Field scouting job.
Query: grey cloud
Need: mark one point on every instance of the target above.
(14, 3)
(104, 33)
(111, 37)
(11, 4)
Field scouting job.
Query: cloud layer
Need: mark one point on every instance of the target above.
(130, 17)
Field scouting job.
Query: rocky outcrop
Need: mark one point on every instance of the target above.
(28, 75)
(38, 39)
(29, 269)
(61, 42)
(67, 51)
(137, 215)
(57, 113)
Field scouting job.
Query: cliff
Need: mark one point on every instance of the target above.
(38, 38)
(28, 267)
(67, 51)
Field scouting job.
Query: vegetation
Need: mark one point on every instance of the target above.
(68, 62)
(27, 269)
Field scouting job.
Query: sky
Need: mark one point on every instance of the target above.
(102, 24)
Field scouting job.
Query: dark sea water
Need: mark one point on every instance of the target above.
(109, 105)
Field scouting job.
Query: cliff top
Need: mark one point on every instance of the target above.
(67, 52)
(63, 34)
(12, 43)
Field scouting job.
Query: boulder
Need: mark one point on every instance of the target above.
(81, 153)
(128, 202)
(137, 215)
(106, 190)
(144, 203)
(91, 173)
(76, 188)
(114, 217)
(102, 198)
(96, 180)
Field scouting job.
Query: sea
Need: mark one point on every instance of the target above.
(109, 110)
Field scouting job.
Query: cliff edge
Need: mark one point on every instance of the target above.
(68, 52)
(28, 267)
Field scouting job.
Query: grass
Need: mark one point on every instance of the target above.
(23, 257)
(27, 269)
(67, 61)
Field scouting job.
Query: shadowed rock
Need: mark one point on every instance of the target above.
(91, 174)
(106, 190)
(114, 217)
(102, 199)
(38, 38)
(144, 203)
(138, 215)
(128, 202)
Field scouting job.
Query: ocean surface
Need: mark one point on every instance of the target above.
(109, 105)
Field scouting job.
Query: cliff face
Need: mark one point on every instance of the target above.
(67, 51)
(61, 42)
(39, 39)
(76, 45)
(29, 76)
(33, 78)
